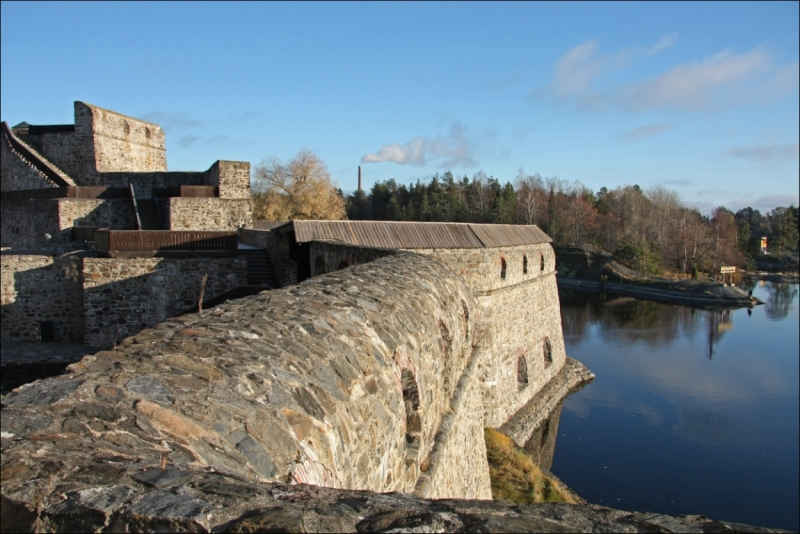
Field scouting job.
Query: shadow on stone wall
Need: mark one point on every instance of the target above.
(47, 297)
(76, 298)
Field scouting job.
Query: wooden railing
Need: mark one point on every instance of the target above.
(72, 191)
(165, 243)
(187, 191)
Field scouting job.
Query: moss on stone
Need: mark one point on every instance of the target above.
(516, 478)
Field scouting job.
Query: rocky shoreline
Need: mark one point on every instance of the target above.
(699, 294)
(587, 269)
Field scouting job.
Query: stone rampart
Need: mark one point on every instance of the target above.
(185, 213)
(516, 290)
(346, 380)
(122, 143)
(125, 295)
(39, 288)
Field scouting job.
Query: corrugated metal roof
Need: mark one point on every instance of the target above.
(410, 235)
(267, 225)
(509, 235)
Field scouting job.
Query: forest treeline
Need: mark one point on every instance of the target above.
(650, 229)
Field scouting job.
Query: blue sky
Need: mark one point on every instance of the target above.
(699, 97)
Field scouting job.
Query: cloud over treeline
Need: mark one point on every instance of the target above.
(457, 148)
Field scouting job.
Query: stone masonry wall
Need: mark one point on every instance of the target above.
(328, 256)
(232, 178)
(521, 314)
(207, 213)
(278, 249)
(72, 152)
(39, 287)
(16, 173)
(125, 295)
(123, 143)
(116, 214)
(26, 223)
(344, 381)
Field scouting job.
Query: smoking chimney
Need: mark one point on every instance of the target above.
(359, 177)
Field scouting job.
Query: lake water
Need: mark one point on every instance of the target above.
(692, 412)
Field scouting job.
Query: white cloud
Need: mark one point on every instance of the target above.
(765, 153)
(699, 85)
(666, 41)
(648, 130)
(457, 148)
(723, 79)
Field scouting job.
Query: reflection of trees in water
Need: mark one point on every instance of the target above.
(633, 319)
(718, 322)
(779, 302)
(542, 443)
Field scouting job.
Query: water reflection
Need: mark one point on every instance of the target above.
(542, 443)
(780, 300)
(692, 411)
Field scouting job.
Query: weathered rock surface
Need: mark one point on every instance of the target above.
(139, 499)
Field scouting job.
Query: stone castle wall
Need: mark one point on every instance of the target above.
(124, 295)
(27, 223)
(520, 310)
(115, 214)
(122, 143)
(329, 256)
(184, 213)
(17, 173)
(348, 380)
(36, 288)
(521, 319)
(232, 178)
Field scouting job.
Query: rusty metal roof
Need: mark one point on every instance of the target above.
(411, 235)
(267, 225)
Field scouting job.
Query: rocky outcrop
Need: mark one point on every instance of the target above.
(116, 498)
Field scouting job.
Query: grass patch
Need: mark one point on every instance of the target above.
(516, 478)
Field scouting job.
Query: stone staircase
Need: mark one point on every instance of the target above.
(148, 214)
(28, 154)
(260, 271)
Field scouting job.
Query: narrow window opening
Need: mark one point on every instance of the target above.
(411, 405)
(547, 352)
(524, 264)
(541, 264)
(522, 372)
(503, 268)
(319, 266)
(446, 341)
(465, 309)
(47, 331)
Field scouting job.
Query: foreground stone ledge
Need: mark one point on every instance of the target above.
(172, 500)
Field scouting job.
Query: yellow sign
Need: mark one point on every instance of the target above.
(724, 270)
(763, 242)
